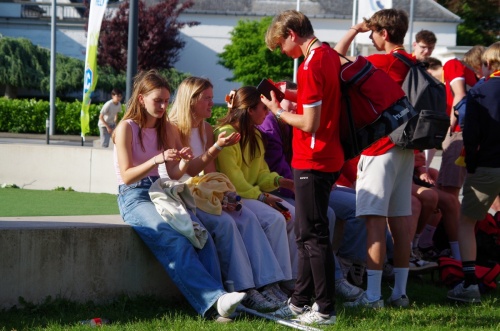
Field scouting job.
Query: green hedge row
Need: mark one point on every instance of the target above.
(29, 116)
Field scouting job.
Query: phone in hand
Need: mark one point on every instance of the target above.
(280, 206)
(265, 87)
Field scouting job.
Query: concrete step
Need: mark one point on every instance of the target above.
(79, 258)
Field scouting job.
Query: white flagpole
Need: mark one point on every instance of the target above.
(354, 21)
(296, 61)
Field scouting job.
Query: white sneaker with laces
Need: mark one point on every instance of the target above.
(288, 311)
(468, 294)
(363, 301)
(347, 290)
(313, 316)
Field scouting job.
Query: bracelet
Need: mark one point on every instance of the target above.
(278, 114)
(263, 196)
(277, 180)
(163, 155)
(354, 29)
(218, 147)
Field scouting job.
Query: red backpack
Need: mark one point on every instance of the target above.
(373, 105)
(451, 274)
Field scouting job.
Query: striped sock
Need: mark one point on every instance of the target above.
(469, 268)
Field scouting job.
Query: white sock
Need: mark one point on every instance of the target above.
(455, 250)
(374, 284)
(400, 279)
(426, 236)
(415, 241)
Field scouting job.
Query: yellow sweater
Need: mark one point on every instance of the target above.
(249, 180)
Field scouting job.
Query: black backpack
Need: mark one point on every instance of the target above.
(428, 97)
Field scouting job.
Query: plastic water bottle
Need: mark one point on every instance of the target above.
(234, 198)
(95, 322)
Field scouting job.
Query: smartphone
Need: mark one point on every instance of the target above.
(280, 205)
(265, 87)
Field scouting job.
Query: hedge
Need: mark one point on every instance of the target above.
(29, 116)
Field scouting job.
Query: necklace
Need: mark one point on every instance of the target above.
(308, 49)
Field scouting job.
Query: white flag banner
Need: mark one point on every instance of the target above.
(97, 9)
(366, 8)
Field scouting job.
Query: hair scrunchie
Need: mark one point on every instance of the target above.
(229, 98)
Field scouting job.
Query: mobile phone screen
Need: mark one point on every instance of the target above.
(265, 87)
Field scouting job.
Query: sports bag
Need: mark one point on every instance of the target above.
(451, 274)
(488, 239)
(428, 97)
(373, 105)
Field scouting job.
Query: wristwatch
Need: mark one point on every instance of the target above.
(278, 114)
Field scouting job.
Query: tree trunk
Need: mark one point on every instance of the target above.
(10, 91)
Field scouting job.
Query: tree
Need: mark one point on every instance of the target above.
(159, 42)
(249, 58)
(481, 25)
(22, 64)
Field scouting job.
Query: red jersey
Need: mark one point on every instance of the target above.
(397, 70)
(319, 84)
(454, 70)
(349, 172)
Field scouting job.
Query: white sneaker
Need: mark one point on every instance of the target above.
(313, 316)
(347, 290)
(288, 311)
(227, 303)
(417, 265)
(465, 294)
(363, 301)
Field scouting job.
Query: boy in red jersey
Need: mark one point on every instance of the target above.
(458, 76)
(316, 161)
(383, 187)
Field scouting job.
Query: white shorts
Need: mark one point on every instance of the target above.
(383, 187)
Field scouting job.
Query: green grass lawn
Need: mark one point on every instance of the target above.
(22, 202)
(430, 310)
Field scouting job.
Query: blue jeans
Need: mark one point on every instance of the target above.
(353, 246)
(195, 272)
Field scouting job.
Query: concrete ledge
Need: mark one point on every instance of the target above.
(79, 258)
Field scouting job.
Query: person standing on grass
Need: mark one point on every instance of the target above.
(482, 159)
(143, 140)
(316, 161)
(383, 187)
(108, 116)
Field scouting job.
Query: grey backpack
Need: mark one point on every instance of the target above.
(428, 96)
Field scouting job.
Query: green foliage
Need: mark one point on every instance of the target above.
(22, 64)
(249, 58)
(481, 23)
(217, 112)
(29, 116)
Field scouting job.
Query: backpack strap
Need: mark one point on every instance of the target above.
(403, 58)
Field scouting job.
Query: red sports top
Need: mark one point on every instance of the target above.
(318, 84)
(454, 70)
